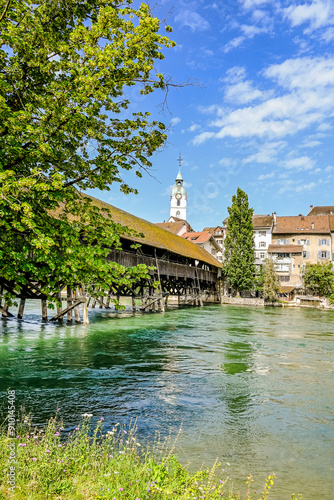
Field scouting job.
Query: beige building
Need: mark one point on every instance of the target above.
(205, 240)
(218, 234)
(300, 240)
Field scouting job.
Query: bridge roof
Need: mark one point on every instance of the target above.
(156, 236)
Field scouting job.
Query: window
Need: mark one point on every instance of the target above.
(284, 278)
(213, 251)
(220, 242)
(262, 255)
(283, 242)
(178, 203)
(262, 244)
(218, 232)
(262, 233)
(306, 255)
(323, 254)
(178, 213)
(323, 242)
(303, 242)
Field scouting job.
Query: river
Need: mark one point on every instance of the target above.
(252, 386)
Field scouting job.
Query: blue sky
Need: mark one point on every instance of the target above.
(260, 117)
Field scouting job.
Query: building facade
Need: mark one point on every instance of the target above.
(300, 240)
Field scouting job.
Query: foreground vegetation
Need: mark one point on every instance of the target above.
(52, 464)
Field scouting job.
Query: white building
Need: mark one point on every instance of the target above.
(178, 199)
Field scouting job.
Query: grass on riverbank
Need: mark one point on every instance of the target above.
(113, 465)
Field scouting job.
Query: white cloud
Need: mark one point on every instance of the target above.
(199, 139)
(244, 92)
(266, 176)
(193, 20)
(328, 35)
(251, 4)
(175, 121)
(311, 144)
(328, 169)
(303, 73)
(194, 127)
(307, 98)
(301, 163)
(317, 14)
(267, 153)
(291, 186)
(305, 187)
(234, 43)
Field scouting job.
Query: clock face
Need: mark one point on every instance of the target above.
(178, 196)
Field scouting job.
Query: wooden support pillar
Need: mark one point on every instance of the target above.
(161, 302)
(59, 308)
(4, 313)
(85, 318)
(44, 310)
(199, 288)
(133, 304)
(21, 309)
(76, 310)
(108, 301)
(69, 303)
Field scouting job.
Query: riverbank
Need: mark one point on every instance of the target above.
(83, 465)
(300, 301)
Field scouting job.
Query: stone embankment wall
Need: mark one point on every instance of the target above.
(242, 301)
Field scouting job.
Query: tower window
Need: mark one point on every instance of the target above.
(178, 213)
(178, 203)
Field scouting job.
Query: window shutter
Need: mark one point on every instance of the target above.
(328, 255)
(278, 242)
(319, 254)
(307, 255)
(327, 242)
(307, 242)
(287, 241)
(298, 242)
(319, 242)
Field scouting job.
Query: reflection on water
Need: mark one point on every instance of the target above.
(251, 386)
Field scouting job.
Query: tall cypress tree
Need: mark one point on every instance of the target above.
(239, 244)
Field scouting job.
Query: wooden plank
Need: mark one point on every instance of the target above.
(64, 311)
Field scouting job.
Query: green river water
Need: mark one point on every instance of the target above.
(252, 386)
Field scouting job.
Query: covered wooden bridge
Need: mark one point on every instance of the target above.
(182, 269)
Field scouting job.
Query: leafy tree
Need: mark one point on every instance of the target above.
(271, 284)
(65, 126)
(319, 279)
(239, 244)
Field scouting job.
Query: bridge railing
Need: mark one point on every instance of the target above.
(166, 268)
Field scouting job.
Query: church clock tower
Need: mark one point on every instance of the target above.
(178, 197)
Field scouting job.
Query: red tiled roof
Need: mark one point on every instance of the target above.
(199, 237)
(263, 220)
(211, 230)
(285, 248)
(331, 222)
(258, 220)
(300, 224)
(172, 227)
(322, 210)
